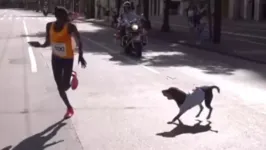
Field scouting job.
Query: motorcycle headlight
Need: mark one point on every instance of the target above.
(135, 27)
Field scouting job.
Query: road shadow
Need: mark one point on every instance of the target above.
(208, 61)
(179, 56)
(39, 140)
(186, 129)
(159, 53)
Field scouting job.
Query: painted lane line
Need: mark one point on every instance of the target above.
(113, 51)
(245, 35)
(31, 54)
(151, 69)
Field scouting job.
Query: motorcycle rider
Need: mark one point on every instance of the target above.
(127, 14)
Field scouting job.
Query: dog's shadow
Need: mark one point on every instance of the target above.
(185, 129)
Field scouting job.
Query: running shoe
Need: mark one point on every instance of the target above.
(74, 81)
(69, 113)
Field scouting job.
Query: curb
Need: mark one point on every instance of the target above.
(225, 53)
(200, 47)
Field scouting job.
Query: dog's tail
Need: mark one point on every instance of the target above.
(215, 87)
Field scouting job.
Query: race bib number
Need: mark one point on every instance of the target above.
(59, 49)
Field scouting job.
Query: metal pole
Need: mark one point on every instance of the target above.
(217, 21)
(108, 9)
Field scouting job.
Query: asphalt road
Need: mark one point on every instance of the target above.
(119, 104)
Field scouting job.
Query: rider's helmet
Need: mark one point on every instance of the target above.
(127, 6)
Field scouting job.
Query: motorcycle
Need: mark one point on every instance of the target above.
(134, 40)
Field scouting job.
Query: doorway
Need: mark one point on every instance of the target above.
(91, 9)
(263, 11)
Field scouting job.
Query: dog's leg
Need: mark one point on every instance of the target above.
(177, 117)
(210, 112)
(200, 111)
(208, 105)
(208, 100)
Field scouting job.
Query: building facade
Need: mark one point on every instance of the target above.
(231, 9)
(248, 9)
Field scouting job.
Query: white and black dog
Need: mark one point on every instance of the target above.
(186, 101)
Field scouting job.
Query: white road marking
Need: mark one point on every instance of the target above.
(31, 54)
(245, 35)
(113, 51)
(151, 69)
(249, 41)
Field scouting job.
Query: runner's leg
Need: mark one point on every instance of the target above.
(58, 70)
(68, 69)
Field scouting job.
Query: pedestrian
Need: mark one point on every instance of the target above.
(99, 7)
(202, 25)
(59, 37)
(190, 15)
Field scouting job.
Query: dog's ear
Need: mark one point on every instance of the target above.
(176, 94)
(172, 90)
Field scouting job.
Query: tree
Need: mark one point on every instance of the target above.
(76, 5)
(210, 20)
(217, 21)
(118, 5)
(166, 26)
(146, 10)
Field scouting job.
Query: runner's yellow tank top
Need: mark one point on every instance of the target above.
(61, 42)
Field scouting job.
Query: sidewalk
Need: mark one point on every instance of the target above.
(240, 49)
(229, 27)
(227, 23)
(254, 51)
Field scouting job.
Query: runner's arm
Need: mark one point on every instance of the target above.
(73, 30)
(47, 38)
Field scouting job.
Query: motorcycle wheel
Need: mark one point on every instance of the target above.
(127, 49)
(138, 48)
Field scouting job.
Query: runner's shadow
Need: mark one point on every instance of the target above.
(38, 141)
(185, 129)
